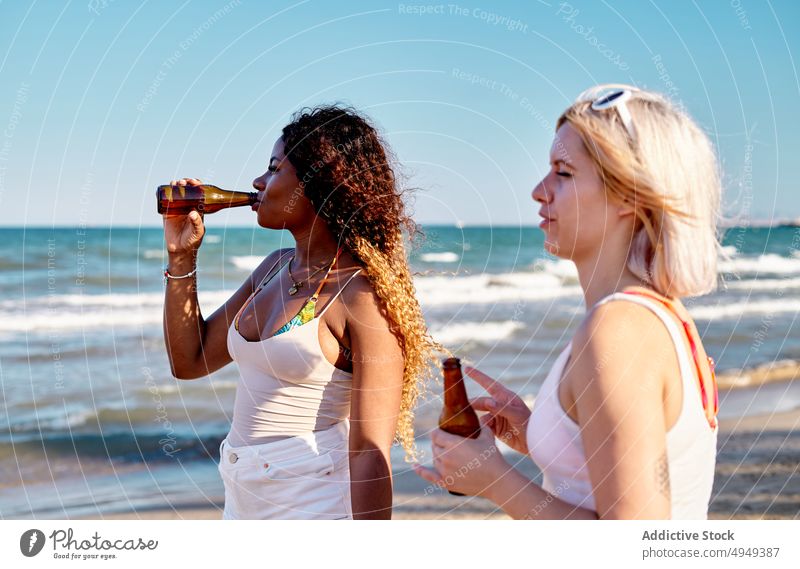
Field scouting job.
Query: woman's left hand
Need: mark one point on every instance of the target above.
(467, 466)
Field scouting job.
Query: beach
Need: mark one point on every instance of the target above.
(758, 468)
(757, 477)
(97, 427)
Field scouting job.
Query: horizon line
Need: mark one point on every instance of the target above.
(755, 224)
(122, 226)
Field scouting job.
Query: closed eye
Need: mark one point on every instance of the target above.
(564, 174)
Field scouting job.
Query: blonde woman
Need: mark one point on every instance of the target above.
(624, 426)
(328, 335)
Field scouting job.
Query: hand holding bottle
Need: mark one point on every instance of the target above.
(184, 233)
(508, 414)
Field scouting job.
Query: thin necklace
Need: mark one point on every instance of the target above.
(297, 285)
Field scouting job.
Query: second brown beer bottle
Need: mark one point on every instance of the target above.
(458, 417)
(180, 200)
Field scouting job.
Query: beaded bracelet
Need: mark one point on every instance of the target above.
(168, 276)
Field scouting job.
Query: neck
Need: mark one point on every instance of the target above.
(314, 246)
(604, 272)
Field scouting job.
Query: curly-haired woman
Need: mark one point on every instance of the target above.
(624, 425)
(325, 385)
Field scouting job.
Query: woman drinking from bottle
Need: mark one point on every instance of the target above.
(328, 335)
(624, 426)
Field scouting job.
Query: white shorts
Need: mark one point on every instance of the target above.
(299, 478)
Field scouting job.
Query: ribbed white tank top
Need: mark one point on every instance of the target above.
(287, 387)
(554, 439)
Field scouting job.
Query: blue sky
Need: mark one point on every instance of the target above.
(101, 100)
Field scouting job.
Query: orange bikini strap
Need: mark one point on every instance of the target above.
(708, 385)
(315, 296)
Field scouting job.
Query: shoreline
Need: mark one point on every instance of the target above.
(757, 477)
(757, 376)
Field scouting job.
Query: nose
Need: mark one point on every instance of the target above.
(260, 183)
(540, 194)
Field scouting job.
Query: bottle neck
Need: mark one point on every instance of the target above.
(216, 198)
(455, 394)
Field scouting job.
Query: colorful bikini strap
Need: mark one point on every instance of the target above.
(708, 384)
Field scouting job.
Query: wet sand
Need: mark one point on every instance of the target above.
(757, 477)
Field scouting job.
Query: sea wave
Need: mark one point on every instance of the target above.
(781, 370)
(114, 300)
(481, 332)
(561, 268)
(444, 257)
(43, 422)
(491, 289)
(769, 264)
(546, 280)
(246, 262)
(153, 253)
(764, 284)
(126, 446)
(737, 309)
(152, 409)
(87, 311)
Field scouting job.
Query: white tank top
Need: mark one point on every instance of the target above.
(554, 439)
(287, 387)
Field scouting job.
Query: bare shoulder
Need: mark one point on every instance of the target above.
(359, 291)
(620, 360)
(264, 266)
(619, 339)
(619, 319)
(363, 305)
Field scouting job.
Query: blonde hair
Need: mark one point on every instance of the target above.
(391, 279)
(667, 170)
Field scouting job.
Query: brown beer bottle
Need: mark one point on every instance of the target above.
(180, 200)
(458, 417)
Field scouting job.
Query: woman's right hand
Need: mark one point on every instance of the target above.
(184, 233)
(508, 414)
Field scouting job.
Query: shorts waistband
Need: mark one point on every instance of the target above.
(317, 442)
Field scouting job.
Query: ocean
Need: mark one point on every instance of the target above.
(92, 420)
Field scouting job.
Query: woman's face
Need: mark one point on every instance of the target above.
(574, 206)
(281, 201)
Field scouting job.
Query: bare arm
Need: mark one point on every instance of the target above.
(377, 389)
(198, 346)
(620, 361)
(522, 499)
(183, 322)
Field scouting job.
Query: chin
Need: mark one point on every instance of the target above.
(551, 247)
(268, 221)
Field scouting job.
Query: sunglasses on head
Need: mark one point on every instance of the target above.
(612, 97)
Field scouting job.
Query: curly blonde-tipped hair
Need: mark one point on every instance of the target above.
(667, 169)
(345, 172)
